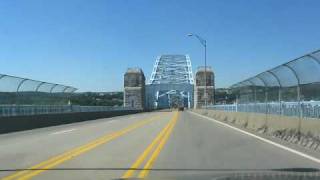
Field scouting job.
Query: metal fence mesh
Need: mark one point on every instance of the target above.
(291, 89)
(16, 84)
(23, 96)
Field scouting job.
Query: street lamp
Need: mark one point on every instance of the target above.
(204, 43)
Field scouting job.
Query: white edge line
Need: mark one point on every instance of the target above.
(260, 138)
(64, 131)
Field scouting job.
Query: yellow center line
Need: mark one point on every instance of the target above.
(146, 152)
(54, 161)
(160, 140)
(144, 173)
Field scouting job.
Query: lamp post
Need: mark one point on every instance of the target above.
(204, 44)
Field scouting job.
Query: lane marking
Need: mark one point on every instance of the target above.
(54, 161)
(146, 169)
(64, 131)
(146, 152)
(260, 138)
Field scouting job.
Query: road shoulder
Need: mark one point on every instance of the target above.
(293, 148)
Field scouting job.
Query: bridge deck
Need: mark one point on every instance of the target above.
(186, 141)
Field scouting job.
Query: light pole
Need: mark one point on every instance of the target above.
(204, 43)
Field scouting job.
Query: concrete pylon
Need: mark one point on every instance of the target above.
(134, 88)
(199, 87)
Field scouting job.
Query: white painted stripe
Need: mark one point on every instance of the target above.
(64, 131)
(260, 138)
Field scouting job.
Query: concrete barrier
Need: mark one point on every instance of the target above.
(19, 123)
(267, 122)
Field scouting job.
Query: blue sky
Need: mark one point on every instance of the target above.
(90, 43)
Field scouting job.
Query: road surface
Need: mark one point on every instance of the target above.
(181, 143)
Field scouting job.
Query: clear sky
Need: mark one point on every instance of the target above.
(90, 43)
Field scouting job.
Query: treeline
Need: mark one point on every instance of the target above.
(97, 99)
(83, 99)
(224, 96)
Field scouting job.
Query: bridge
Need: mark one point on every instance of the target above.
(171, 84)
(149, 138)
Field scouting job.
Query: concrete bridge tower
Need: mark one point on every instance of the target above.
(134, 88)
(199, 87)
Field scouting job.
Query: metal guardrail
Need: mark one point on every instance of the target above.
(310, 109)
(23, 110)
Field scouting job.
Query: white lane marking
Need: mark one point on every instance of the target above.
(260, 138)
(64, 131)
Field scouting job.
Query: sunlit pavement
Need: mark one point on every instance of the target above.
(166, 144)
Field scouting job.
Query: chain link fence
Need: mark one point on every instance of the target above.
(291, 89)
(16, 84)
(18, 91)
(23, 96)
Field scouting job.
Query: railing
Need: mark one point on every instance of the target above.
(290, 89)
(10, 83)
(307, 108)
(297, 80)
(22, 110)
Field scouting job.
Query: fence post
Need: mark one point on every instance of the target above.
(300, 112)
(298, 98)
(266, 102)
(280, 105)
(266, 98)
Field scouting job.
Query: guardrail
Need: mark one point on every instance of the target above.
(309, 109)
(23, 110)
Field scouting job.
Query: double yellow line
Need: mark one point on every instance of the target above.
(54, 161)
(157, 145)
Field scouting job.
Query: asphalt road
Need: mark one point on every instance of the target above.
(171, 144)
